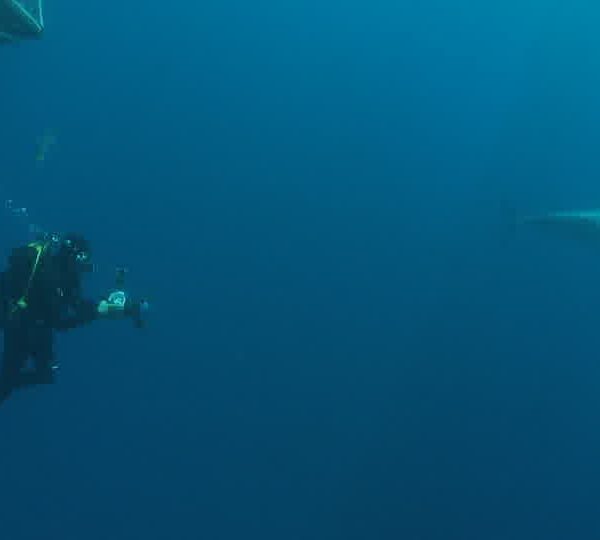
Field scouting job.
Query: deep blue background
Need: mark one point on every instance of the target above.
(348, 339)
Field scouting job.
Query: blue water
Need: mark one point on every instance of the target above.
(348, 340)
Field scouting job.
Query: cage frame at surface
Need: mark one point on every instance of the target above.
(17, 21)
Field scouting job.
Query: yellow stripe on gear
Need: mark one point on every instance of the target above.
(40, 248)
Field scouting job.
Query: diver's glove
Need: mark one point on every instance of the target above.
(113, 307)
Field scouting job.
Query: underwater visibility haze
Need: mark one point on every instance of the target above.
(349, 337)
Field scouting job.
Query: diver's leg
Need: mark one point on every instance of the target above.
(13, 359)
(42, 350)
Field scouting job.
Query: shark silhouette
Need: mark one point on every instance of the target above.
(578, 222)
(570, 218)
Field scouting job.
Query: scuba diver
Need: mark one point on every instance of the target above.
(41, 292)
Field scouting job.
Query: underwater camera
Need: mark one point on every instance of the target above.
(135, 309)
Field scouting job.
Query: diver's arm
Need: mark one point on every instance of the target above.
(77, 314)
(85, 311)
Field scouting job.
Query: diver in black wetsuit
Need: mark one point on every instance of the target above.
(41, 294)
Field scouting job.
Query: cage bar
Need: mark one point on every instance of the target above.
(20, 19)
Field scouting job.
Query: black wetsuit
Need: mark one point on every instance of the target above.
(52, 293)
